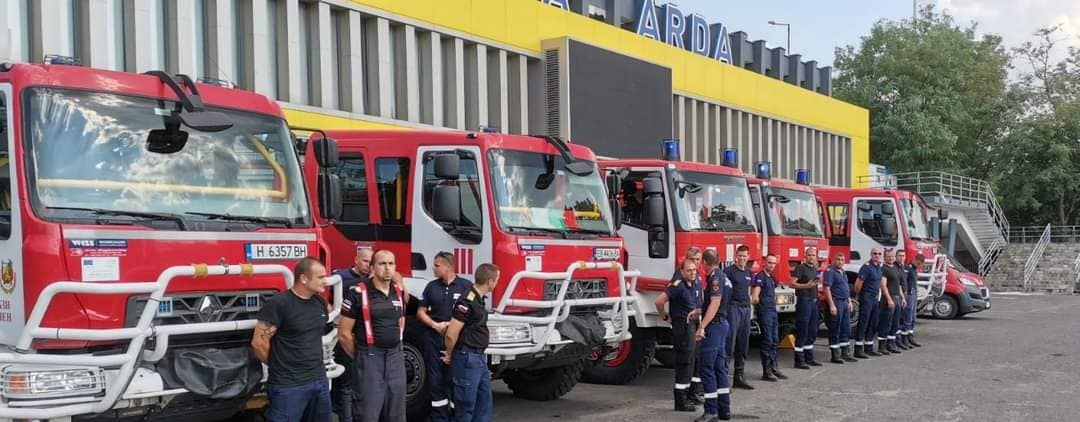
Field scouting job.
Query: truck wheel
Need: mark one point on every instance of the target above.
(854, 316)
(544, 384)
(628, 362)
(666, 357)
(945, 307)
(417, 395)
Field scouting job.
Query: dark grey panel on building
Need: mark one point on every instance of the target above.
(623, 113)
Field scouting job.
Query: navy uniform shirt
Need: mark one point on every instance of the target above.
(472, 311)
(894, 276)
(767, 296)
(719, 288)
(349, 278)
(805, 274)
(912, 279)
(683, 297)
(385, 313)
(740, 285)
(439, 298)
(871, 277)
(837, 283)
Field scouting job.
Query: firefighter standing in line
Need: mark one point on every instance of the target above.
(838, 299)
(697, 393)
(868, 288)
(806, 309)
(370, 330)
(891, 303)
(913, 299)
(342, 391)
(763, 296)
(684, 295)
(466, 338)
(711, 335)
(739, 314)
(436, 305)
(900, 318)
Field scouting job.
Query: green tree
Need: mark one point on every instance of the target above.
(937, 93)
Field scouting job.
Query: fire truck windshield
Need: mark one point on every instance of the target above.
(89, 157)
(711, 202)
(534, 193)
(796, 214)
(915, 218)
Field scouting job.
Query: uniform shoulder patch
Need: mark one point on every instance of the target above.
(716, 285)
(463, 308)
(471, 296)
(677, 282)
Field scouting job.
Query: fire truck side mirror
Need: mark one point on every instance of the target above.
(447, 166)
(446, 205)
(330, 206)
(614, 184)
(326, 152)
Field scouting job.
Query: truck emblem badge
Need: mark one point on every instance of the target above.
(7, 277)
(209, 309)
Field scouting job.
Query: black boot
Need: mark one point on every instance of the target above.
(881, 349)
(682, 404)
(890, 345)
(870, 351)
(800, 361)
(724, 416)
(810, 358)
(766, 372)
(696, 395)
(911, 339)
(705, 417)
(859, 352)
(776, 373)
(740, 381)
(845, 354)
(835, 351)
(901, 342)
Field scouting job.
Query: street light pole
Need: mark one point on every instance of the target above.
(788, 27)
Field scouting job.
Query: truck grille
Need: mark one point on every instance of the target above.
(187, 308)
(578, 289)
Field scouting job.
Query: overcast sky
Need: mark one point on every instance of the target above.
(817, 27)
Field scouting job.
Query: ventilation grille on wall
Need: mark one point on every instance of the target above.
(551, 88)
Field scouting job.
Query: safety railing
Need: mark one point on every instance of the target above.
(986, 263)
(1076, 270)
(1058, 234)
(1036, 255)
(116, 371)
(540, 327)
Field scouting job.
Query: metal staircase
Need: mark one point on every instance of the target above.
(984, 230)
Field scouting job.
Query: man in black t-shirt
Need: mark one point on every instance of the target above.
(806, 309)
(288, 338)
(891, 302)
(466, 338)
(342, 391)
(370, 330)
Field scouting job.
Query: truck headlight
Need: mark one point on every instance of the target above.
(968, 282)
(509, 333)
(25, 384)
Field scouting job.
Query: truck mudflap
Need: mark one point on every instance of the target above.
(513, 335)
(45, 386)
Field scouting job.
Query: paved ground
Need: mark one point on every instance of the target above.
(1015, 362)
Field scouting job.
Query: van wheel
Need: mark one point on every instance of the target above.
(945, 307)
(544, 384)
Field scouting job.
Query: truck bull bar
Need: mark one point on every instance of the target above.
(116, 371)
(541, 328)
(931, 285)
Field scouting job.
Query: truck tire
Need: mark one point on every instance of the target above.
(945, 307)
(628, 362)
(544, 384)
(666, 357)
(417, 394)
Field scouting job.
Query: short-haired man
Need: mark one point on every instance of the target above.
(370, 330)
(466, 338)
(288, 338)
(868, 288)
(684, 296)
(738, 341)
(763, 296)
(838, 299)
(891, 304)
(913, 300)
(697, 392)
(436, 306)
(711, 335)
(806, 309)
(342, 391)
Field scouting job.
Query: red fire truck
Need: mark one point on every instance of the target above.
(861, 219)
(156, 215)
(703, 205)
(534, 206)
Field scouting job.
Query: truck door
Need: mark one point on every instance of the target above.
(11, 268)
(634, 232)
(470, 240)
(875, 226)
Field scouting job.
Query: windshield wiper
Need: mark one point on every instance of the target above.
(593, 231)
(158, 216)
(535, 230)
(247, 218)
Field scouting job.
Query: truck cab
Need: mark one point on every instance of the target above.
(534, 206)
(861, 219)
(144, 219)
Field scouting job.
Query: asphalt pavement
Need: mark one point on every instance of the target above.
(1015, 362)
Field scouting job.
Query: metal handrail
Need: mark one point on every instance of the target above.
(1058, 234)
(986, 263)
(1036, 256)
(1076, 269)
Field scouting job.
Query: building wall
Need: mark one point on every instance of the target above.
(433, 64)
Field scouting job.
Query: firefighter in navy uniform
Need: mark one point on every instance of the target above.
(436, 305)
(891, 303)
(466, 338)
(370, 330)
(684, 296)
(711, 335)
(902, 314)
(913, 299)
(868, 288)
(342, 391)
(838, 299)
(763, 295)
(806, 309)
(738, 341)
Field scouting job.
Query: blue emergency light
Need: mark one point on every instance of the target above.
(671, 149)
(802, 176)
(764, 170)
(731, 158)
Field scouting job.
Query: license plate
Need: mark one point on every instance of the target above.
(275, 252)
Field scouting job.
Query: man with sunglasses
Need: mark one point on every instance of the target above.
(868, 290)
